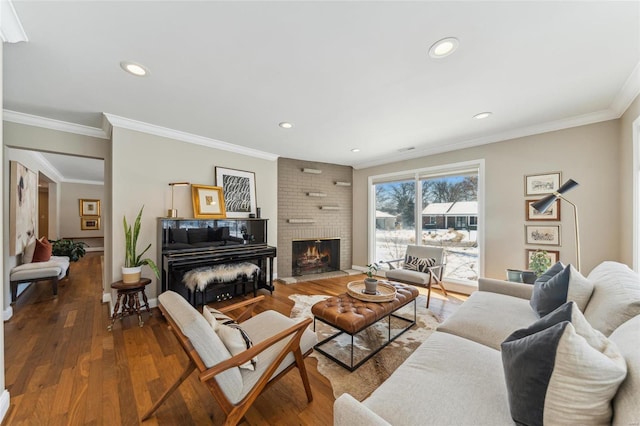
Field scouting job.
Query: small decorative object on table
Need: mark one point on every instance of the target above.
(371, 284)
(385, 292)
(133, 262)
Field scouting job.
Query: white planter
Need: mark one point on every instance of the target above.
(131, 275)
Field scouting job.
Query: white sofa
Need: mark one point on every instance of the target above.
(456, 376)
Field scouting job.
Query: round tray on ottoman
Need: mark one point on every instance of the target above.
(385, 293)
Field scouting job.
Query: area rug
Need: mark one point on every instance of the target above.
(376, 370)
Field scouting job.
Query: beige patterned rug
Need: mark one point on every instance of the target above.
(376, 370)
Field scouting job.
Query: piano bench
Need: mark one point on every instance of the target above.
(199, 279)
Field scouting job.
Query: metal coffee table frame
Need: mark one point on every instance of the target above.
(351, 366)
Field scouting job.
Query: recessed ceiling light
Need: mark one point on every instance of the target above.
(482, 115)
(443, 48)
(285, 125)
(355, 150)
(134, 68)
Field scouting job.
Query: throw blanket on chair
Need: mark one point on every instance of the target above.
(200, 278)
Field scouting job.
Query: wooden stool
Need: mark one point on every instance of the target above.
(129, 295)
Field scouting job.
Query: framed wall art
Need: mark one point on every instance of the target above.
(89, 223)
(552, 213)
(553, 255)
(89, 207)
(22, 207)
(541, 184)
(239, 188)
(208, 202)
(542, 235)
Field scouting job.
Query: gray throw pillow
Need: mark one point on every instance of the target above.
(566, 285)
(560, 370)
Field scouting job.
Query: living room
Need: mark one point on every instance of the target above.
(593, 144)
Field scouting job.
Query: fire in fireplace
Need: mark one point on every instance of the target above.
(315, 256)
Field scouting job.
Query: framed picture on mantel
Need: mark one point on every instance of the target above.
(239, 189)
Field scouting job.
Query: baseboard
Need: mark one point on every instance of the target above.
(153, 303)
(7, 313)
(4, 404)
(106, 297)
(94, 249)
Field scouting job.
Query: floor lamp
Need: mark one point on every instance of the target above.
(546, 202)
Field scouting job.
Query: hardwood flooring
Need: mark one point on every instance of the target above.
(62, 366)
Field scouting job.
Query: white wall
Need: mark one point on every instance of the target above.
(588, 154)
(144, 164)
(4, 398)
(70, 194)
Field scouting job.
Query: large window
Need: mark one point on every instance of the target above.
(445, 215)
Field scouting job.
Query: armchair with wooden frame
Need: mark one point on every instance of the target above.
(432, 276)
(280, 343)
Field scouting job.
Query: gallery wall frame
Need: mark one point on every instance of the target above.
(208, 202)
(552, 213)
(89, 207)
(22, 207)
(553, 255)
(90, 223)
(541, 184)
(239, 189)
(548, 235)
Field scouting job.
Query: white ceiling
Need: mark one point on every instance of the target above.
(347, 74)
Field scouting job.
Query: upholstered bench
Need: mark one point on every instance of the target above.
(199, 279)
(55, 269)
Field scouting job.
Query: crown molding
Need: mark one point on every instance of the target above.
(164, 132)
(84, 182)
(629, 91)
(50, 123)
(48, 168)
(448, 146)
(11, 30)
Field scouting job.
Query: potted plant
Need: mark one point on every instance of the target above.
(539, 262)
(133, 262)
(73, 250)
(370, 283)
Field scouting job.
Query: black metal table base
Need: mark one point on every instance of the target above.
(351, 366)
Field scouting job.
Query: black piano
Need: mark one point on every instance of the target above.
(185, 244)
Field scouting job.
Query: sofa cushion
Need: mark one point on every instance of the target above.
(263, 326)
(616, 296)
(626, 404)
(553, 292)
(234, 337)
(434, 386)
(43, 250)
(488, 318)
(405, 275)
(204, 340)
(29, 250)
(561, 370)
(419, 264)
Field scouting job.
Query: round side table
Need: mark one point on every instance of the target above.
(128, 294)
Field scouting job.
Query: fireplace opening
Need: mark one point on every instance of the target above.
(315, 256)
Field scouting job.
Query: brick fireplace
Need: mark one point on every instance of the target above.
(315, 204)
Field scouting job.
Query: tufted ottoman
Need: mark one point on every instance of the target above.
(351, 316)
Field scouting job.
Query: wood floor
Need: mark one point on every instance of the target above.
(62, 366)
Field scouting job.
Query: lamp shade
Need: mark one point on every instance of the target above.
(543, 204)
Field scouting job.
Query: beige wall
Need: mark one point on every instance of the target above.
(70, 194)
(144, 164)
(626, 173)
(588, 154)
(5, 395)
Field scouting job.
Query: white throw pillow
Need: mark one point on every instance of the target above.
(232, 335)
(561, 371)
(29, 250)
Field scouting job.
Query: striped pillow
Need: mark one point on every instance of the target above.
(420, 264)
(232, 335)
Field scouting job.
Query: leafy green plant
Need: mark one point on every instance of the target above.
(131, 258)
(372, 268)
(539, 262)
(73, 250)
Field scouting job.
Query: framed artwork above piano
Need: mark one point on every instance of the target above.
(186, 244)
